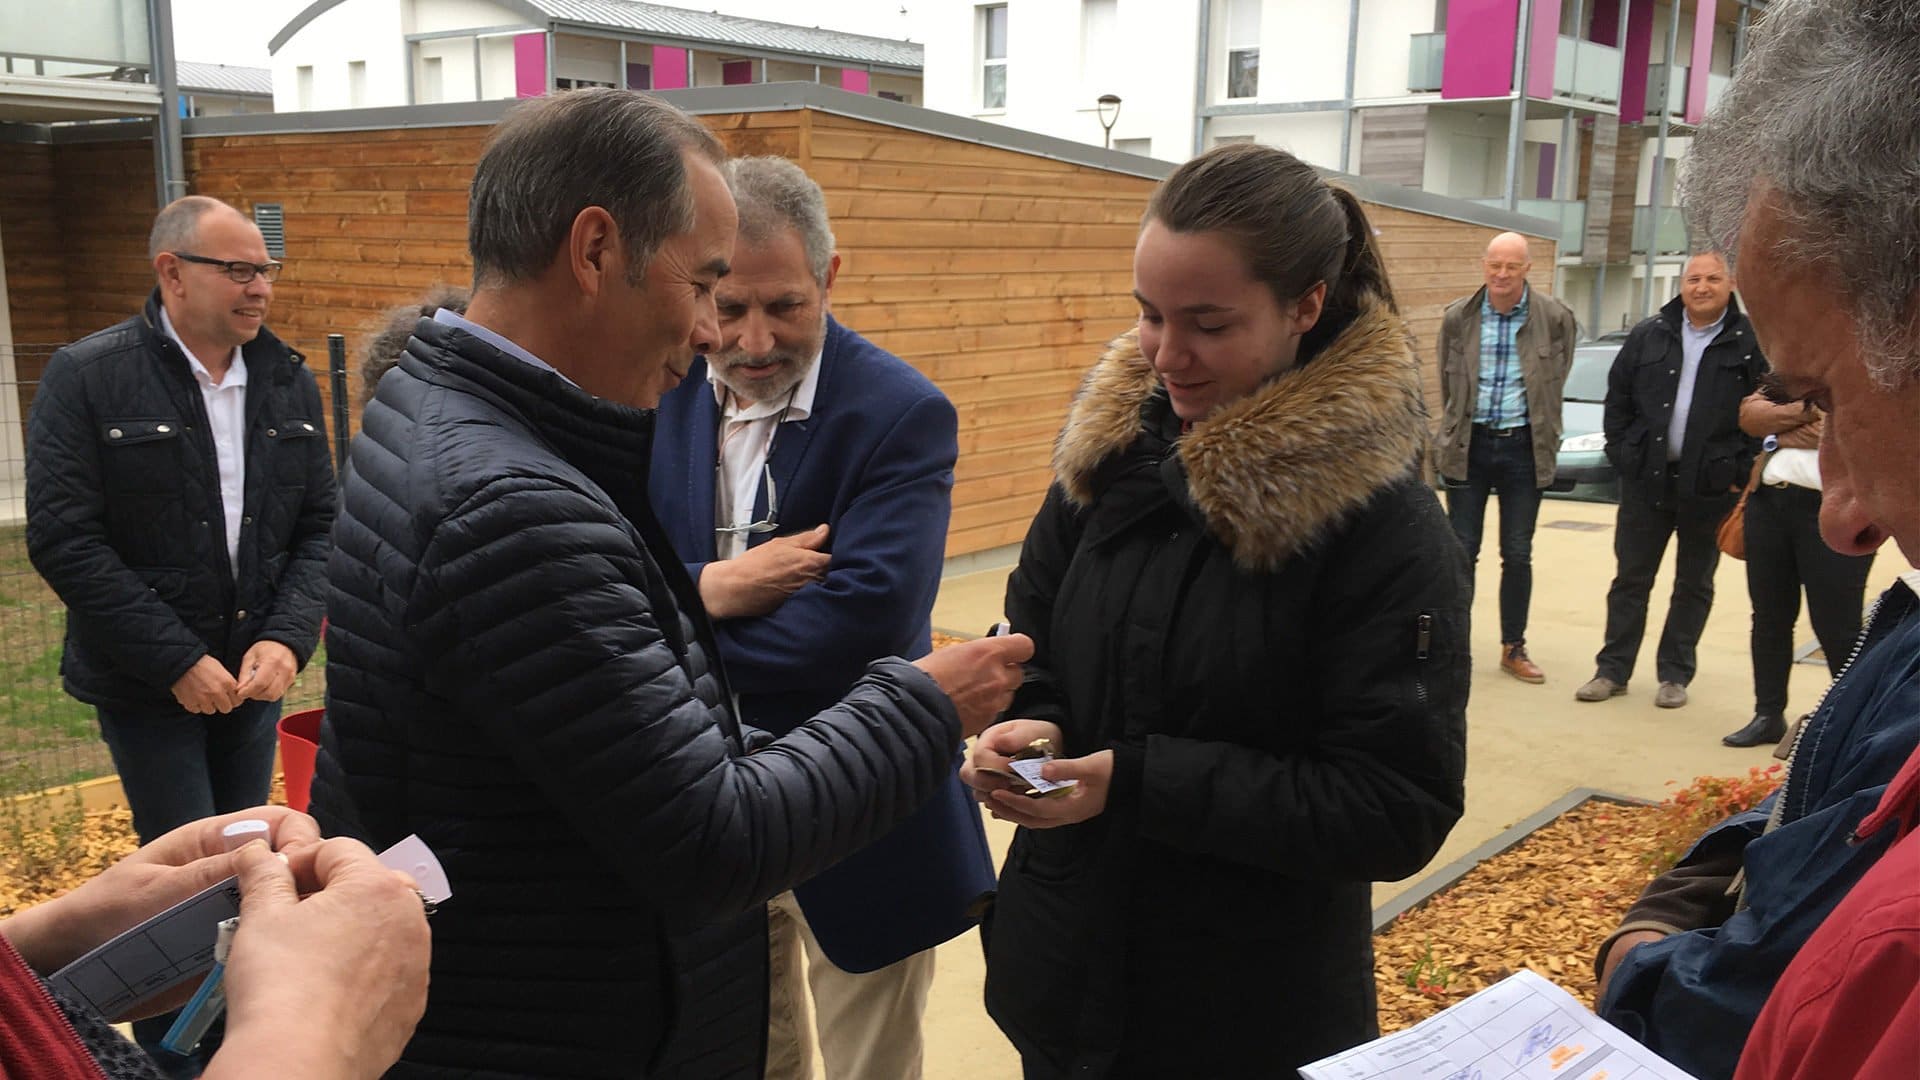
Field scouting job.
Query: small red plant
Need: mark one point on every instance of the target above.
(1691, 810)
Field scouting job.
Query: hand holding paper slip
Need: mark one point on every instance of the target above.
(1520, 1028)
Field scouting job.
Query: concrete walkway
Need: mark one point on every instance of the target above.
(1527, 745)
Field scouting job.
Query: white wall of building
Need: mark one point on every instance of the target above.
(1386, 37)
(1051, 86)
(1313, 137)
(371, 31)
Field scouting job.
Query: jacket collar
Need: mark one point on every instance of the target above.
(266, 355)
(1271, 472)
(587, 430)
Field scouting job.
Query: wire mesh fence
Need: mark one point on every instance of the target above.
(46, 737)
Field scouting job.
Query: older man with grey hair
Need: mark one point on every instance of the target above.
(1806, 175)
(520, 670)
(804, 475)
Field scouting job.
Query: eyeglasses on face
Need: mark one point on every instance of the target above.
(764, 525)
(238, 270)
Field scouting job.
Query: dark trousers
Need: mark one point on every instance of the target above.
(1640, 535)
(1501, 465)
(1785, 554)
(176, 767)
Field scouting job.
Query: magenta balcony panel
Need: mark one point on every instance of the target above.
(1542, 47)
(1479, 59)
(1633, 64)
(858, 82)
(669, 68)
(529, 65)
(1698, 67)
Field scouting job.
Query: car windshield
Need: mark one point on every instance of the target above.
(1587, 378)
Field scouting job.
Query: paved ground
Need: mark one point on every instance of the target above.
(1527, 745)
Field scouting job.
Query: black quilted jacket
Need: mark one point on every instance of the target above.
(514, 674)
(124, 517)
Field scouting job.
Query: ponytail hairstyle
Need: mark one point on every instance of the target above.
(1294, 229)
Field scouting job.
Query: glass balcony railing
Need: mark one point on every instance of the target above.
(1581, 69)
(1716, 86)
(1425, 53)
(1585, 69)
(1571, 215)
(1662, 226)
(85, 37)
(1676, 91)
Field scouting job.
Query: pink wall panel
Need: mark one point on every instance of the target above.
(669, 68)
(1633, 62)
(1701, 61)
(1480, 39)
(529, 65)
(856, 81)
(1542, 46)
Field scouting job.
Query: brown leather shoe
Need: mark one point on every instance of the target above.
(1515, 662)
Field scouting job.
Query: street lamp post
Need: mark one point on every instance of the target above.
(1108, 109)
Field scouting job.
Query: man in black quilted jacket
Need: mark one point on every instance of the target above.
(520, 671)
(179, 492)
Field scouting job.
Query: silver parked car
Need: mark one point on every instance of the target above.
(1581, 469)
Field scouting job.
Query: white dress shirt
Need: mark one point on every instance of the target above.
(1693, 343)
(746, 437)
(227, 423)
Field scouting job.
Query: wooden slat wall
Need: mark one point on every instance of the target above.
(999, 274)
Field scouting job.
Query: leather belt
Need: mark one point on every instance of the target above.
(1501, 433)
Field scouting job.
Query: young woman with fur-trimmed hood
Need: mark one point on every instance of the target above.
(1250, 619)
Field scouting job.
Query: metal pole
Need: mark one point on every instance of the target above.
(1739, 39)
(1200, 77)
(1599, 294)
(1346, 116)
(1517, 119)
(337, 381)
(1660, 158)
(169, 169)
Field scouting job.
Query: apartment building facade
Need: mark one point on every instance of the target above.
(1416, 92)
(350, 54)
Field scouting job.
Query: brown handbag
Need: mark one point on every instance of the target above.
(1732, 536)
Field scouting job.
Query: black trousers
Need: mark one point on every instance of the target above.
(1640, 535)
(1784, 555)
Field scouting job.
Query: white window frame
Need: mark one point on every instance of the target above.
(985, 62)
(1241, 40)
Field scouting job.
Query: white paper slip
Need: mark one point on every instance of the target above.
(177, 944)
(1520, 1028)
(1029, 770)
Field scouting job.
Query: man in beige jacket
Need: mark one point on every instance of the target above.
(1504, 353)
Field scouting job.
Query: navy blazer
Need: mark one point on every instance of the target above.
(874, 460)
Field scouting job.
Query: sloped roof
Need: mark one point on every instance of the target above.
(222, 78)
(734, 30)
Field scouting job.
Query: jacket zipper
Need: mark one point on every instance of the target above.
(1787, 790)
(1422, 650)
(72, 1032)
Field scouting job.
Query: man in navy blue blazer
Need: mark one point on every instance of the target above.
(805, 476)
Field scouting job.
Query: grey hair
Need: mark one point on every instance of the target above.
(177, 225)
(555, 156)
(773, 193)
(1821, 117)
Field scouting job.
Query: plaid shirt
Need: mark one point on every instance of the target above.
(1503, 393)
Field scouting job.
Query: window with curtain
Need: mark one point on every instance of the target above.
(1243, 48)
(993, 56)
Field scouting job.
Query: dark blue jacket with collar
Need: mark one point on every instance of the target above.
(873, 460)
(1693, 996)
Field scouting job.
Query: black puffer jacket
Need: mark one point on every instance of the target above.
(517, 676)
(1266, 621)
(124, 518)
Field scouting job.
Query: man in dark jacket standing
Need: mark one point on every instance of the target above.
(805, 475)
(179, 493)
(1504, 354)
(1673, 432)
(520, 670)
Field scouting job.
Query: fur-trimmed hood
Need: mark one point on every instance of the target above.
(1276, 469)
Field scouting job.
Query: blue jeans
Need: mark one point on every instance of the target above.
(1501, 465)
(176, 767)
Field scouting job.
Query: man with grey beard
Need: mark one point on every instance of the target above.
(805, 476)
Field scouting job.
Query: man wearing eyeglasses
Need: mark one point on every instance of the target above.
(179, 494)
(806, 479)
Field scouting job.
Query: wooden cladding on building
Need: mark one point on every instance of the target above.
(1000, 274)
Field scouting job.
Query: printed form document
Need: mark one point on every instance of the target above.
(1520, 1028)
